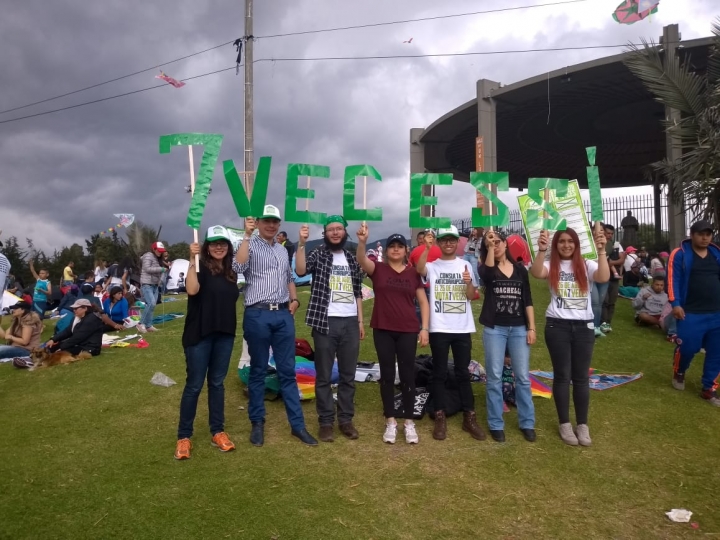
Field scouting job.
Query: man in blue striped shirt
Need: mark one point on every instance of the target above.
(270, 304)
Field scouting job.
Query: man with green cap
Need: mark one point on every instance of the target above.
(335, 315)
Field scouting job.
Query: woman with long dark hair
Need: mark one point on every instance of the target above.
(208, 337)
(116, 308)
(569, 327)
(396, 331)
(23, 334)
(509, 320)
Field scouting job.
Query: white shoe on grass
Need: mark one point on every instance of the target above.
(583, 434)
(411, 436)
(567, 435)
(141, 328)
(390, 433)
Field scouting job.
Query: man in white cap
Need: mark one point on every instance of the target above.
(335, 315)
(452, 286)
(270, 304)
(150, 277)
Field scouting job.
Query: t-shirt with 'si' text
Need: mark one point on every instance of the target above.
(569, 302)
(450, 310)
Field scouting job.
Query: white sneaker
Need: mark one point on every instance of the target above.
(567, 435)
(151, 329)
(411, 436)
(141, 328)
(390, 433)
(583, 434)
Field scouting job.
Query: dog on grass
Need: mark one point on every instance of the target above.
(45, 358)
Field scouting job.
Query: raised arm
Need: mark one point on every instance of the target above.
(422, 261)
(192, 285)
(243, 253)
(490, 244)
(300, 267)
(602, 274)
(538, 270)
(366, 264)
(32, 269)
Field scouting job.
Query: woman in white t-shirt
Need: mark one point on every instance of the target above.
(569, 328)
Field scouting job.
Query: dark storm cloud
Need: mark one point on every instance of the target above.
(70, 171)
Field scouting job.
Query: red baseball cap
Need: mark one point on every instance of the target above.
(159, 246)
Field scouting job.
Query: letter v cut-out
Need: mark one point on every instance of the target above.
(254, 206)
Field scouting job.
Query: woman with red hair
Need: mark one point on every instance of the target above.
(569, 328)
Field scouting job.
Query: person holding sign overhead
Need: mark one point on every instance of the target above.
(335, 315)
(270, 304)
(569, 328)
(452, 284)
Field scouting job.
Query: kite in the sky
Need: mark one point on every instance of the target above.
(125, 220)
(408, 41)
(632, 11)
(170, 80)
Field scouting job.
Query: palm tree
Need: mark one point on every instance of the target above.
(694, 179)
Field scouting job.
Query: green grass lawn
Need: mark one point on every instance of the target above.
(87, 452)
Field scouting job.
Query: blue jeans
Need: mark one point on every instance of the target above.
(597, 296)
(40, 307)
(495, 340)
(149, 293)
(10, 351)
(263, 329)
(210, 359)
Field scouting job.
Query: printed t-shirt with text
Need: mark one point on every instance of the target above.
(342, 298)
(570, 302)
(450, 309)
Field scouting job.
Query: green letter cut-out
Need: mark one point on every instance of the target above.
(350, 213)
(535, 219)
(294, 192)
(254, 206)
(211, 144)
(593, 176)
(418, 200)
(481, 180)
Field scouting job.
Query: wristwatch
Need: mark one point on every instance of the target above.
(295, 300)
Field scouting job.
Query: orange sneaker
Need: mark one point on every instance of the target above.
(182, 450)
(223, 442)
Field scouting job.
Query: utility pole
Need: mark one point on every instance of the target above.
(249, 144)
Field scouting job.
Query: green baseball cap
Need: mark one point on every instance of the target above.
(270, 212)
(448, 231)
(217, 232)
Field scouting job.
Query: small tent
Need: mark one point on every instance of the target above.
(178, 265)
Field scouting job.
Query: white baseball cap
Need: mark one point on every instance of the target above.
(217, 232)
(448, 231)
(270, 212)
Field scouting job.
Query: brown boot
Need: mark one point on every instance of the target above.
(440, 431)
(349, 430)
(470, 425)
(326, 433)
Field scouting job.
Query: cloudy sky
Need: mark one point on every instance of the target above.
(64, 175)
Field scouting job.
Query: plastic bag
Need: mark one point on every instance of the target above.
(160, 379)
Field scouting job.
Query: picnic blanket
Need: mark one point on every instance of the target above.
(599, 381)
(367, 293)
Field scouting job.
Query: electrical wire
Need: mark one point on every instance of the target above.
(326, 58)
(323, 30)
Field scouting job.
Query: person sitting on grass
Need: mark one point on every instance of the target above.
(650, 301)
(23, 335)
(632, 281)
(116, 308)
(83, 335)
(43, 290)
(181, 283)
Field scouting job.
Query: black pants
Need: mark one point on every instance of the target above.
(608, 309)
(461, 345)
(400, 347)
(570, 344)
(342, 341)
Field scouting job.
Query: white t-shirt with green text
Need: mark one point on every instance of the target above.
(342, 299)
(450, 310)
(570, 302)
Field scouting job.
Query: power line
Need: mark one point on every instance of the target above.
(323, 30)
(326, 58)
(421, 19)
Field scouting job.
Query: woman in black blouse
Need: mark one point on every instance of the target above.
(509, 320)
(209, 336)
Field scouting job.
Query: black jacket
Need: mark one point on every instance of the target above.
(87, 335)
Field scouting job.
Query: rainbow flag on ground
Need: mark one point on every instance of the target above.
(539, 388)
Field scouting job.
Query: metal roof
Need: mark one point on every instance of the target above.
(598, 103)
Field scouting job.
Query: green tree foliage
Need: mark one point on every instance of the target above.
(695, 178)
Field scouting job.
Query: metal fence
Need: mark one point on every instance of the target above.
(615, 210)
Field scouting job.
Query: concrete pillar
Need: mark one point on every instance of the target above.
(417, 165)
(676, 209)
(486, 129)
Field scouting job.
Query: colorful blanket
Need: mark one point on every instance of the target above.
(599, 381)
